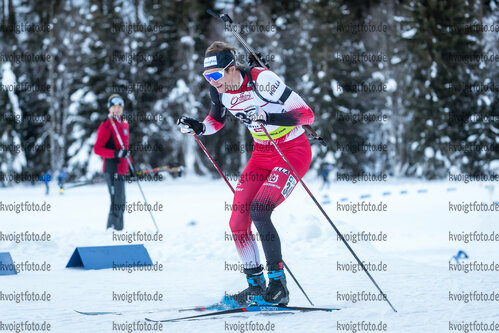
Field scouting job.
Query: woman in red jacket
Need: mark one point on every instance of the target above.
(115, 166)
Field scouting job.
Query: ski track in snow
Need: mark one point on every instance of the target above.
(194, 254)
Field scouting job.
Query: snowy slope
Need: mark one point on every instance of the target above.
(194, 256)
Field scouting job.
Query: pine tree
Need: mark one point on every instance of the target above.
(341, 87)
(439, 99)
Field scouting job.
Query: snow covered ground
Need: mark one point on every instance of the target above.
(195, 255)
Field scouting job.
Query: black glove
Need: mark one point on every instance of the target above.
(253, 62)
(123, 153)
(190, 125)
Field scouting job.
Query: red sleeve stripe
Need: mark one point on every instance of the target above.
(212, 126)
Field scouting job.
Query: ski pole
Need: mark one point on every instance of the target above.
(221, 173)
(133, 170)
(325, 215)
(213, 162)
(227, 20)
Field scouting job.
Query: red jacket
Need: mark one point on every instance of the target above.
(107, 143)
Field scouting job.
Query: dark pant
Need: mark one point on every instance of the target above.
(116, 187)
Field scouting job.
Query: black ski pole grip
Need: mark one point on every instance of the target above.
(212, 13)
(222, 17)
(226, 18)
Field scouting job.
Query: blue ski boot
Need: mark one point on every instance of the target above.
(255, 291)
(277, 291)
